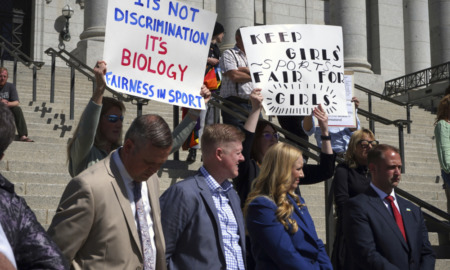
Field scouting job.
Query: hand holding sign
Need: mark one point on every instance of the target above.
(322, 118)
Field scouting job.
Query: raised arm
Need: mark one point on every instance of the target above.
(83, 140)
(184, 129)
(252, 121)
(100, 71)
(322, 117)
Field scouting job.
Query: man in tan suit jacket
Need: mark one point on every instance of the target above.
(94, 225)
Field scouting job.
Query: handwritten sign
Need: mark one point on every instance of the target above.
(158, 50)
(350, 119)
(297, 67)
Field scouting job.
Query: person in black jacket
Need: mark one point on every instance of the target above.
(350, 179)
(31, 246)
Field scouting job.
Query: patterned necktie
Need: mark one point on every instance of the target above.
(397, 216)
(142, 226)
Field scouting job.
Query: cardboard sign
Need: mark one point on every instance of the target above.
(297, 67)
(158, 50)
(349, 120)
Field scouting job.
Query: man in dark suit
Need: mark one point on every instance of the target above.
(382, 230)
(201, 216)
(109, 215)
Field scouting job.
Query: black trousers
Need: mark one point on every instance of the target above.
(21, 125)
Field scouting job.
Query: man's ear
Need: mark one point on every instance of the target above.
(127, 145)
(372, 167)
(219, 153)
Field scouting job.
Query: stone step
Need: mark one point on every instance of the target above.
(30, 156)
(41, 178)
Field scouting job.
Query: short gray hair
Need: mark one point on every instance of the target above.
(150, 128)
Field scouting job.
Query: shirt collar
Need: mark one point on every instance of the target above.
(123, 172)
(381, 193)
(238, 50)
(212, 183)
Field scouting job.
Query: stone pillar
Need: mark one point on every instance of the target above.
(417, 35)
(232, 15)
(351, 15)
(90, 48)
(440, 29)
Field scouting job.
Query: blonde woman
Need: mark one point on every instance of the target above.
(281, 230)
(351, 178)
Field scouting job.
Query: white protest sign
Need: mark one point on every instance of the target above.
(350, 119)
(297, 67)
(158, 50)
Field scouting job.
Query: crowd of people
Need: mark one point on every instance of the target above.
(243, 208)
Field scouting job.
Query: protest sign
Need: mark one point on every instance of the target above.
(349, 120)
(158, 50)
(297, 67)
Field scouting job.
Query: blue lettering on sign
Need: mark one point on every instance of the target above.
(147, 90)
(165, 27)
(182, 12)
(162, 93)
(149, 3)
(130, 85)
(176, 96)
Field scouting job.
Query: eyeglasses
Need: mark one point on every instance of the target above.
(268, 136)
(366, 143)
(114, 118)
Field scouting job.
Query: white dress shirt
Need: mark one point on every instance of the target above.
(129, 185)
(5, 247)
(383, 196)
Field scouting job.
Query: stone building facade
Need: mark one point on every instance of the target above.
(383, 39)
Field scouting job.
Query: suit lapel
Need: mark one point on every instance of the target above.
(153, 195)
(379, 206)
(209, 203)
(408, 219)
(121, 195)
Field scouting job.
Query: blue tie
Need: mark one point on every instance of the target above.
(142, 227)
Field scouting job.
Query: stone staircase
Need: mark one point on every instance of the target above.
(39, 169)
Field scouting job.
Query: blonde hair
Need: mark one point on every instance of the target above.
(217, 134)
(350, 157)
(443, 109)
(275, 181)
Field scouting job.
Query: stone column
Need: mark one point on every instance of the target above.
(440, 29)
(90, 48)
(351, 15)
(417, 35)
(232, 15)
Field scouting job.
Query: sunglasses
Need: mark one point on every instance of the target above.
(366, 143)
(268, 136)
(114, 118)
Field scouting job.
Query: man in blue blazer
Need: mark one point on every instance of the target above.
(201, 215)
(381, 234)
